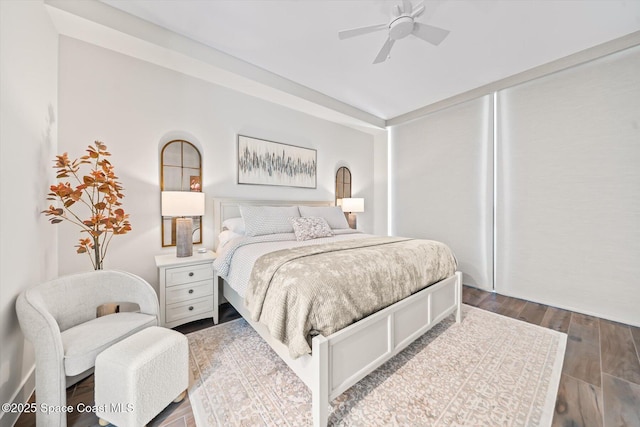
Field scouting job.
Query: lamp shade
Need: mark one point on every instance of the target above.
(352, 205)
(182, 203)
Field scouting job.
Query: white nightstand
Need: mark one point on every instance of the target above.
(187, 291)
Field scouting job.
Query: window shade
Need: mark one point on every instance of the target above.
(442, 185)
(568, 188)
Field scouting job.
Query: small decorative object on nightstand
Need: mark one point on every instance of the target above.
(187, 288)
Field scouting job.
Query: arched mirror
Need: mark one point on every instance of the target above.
(343, 184)
(181, 171)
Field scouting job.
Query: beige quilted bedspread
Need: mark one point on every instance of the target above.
(320, 289)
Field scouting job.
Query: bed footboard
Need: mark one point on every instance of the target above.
(344, 358)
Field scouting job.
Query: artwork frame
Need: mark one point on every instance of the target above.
(259, 162)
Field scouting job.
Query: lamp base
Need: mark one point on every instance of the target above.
(351, 219)
(184, 239)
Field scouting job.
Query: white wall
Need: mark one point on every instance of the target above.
(134, 107)
(381, 183)
(28, 109)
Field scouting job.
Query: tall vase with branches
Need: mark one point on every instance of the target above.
(98, 191)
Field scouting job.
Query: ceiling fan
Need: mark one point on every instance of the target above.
(401, 24)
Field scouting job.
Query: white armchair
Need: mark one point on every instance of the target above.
(59, 318)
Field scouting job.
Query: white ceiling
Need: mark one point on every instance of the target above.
(297, 39)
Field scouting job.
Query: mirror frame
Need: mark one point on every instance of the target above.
(343, 183)
(184, 186)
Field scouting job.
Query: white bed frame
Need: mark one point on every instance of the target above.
(342, 359)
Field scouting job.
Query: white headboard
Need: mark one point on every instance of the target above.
(230, 208)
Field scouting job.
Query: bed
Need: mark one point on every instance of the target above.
(341, 359)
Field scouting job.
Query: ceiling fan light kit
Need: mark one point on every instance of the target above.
(401, 25)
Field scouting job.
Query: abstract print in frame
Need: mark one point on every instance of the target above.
(262, 162)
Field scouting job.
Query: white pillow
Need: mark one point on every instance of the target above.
(261, 220)
(310, 227)
(233, 224)
(225, 237)
(332, 214)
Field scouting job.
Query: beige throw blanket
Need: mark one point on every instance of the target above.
(320, 289)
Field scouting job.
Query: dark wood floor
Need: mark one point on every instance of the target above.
(600, 383)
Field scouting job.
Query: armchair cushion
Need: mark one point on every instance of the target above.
(82, 343)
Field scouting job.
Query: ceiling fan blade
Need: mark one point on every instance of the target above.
(418, 10)
(345, 34)
(384, 52)
(429, 33)
(406, 7)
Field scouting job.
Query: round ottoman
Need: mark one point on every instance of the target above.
(136, 378)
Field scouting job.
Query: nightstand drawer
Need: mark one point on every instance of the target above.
(188, 291)
(189, 308)
(189, 274)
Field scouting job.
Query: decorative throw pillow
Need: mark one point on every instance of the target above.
(261, 220)
(332, 214)
(310, 227)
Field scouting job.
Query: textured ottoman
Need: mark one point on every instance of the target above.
(139, 376)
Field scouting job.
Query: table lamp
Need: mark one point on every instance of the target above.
(351, 205)
(183, 205)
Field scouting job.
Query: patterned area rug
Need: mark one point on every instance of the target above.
(489, 370)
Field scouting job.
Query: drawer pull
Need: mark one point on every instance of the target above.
(190, 308)
(190, 291)
(191, 274)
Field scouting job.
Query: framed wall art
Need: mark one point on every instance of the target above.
(262, 162)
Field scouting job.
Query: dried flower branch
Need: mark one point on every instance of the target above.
(99, 192)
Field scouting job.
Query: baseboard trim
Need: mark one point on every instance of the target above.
(21, 395)
(569, 307)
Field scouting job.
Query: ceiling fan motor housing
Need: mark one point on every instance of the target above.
(400, 27)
